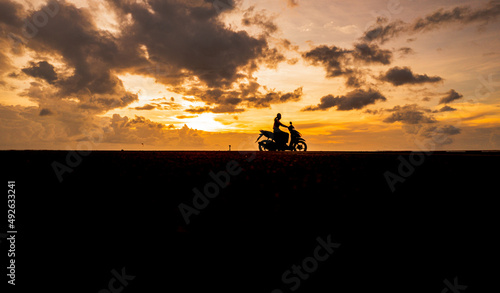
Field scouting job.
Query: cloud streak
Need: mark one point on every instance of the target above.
(384, 31)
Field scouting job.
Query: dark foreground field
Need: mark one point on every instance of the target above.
(120, 210)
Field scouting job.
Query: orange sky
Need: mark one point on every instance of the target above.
(186, 75)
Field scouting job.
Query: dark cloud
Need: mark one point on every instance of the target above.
(139, 120)
(445, 109)
(198, 110)
(371, 53)
(373, 112)
(10, 13)
(265, 101)
(451, 96)
(191, 44)
(384, 31)
(354, 80)
(339, 62)
(187, 36)
(186, 40)
(353, 100)
(247, 95)
(46, 112)
(214, 96)
(43, 70)
(90, 58)
(409, 114)
(333, 59)
(403, 75)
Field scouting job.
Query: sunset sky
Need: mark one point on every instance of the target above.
(203, 74)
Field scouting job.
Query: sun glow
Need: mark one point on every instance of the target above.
(205, 122)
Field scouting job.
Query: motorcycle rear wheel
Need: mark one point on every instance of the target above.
(263, 146)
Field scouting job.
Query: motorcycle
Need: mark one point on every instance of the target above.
(297, 143)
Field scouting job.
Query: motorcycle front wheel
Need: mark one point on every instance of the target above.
(301, 146)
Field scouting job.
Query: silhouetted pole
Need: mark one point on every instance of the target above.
(229, 147)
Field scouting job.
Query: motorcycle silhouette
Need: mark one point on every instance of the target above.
(297, 143)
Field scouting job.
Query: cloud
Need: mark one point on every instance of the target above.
(265, 101)
(333, 59)
(353, 100)
(188, 37)
(43, 70)
(46, 112)
(89, 56)
(383, 31)
(409, 114)
(10, 13)
(250, 17)
(198, 49)
(403, 75)
(146, 107)
(438, 134)
(339, 62)
(451, 96)
(354, 80)
(219, 109)
(406, 51)
(160, 106)
(419, 123)
(26, 128)
(445, 109)
(247, 95)
(5, 66)
(123, 130)
(372, 54)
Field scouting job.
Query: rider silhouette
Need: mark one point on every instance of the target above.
(279, 136)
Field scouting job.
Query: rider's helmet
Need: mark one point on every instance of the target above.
(279, 115)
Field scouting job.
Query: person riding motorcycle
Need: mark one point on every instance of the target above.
(280, 137)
